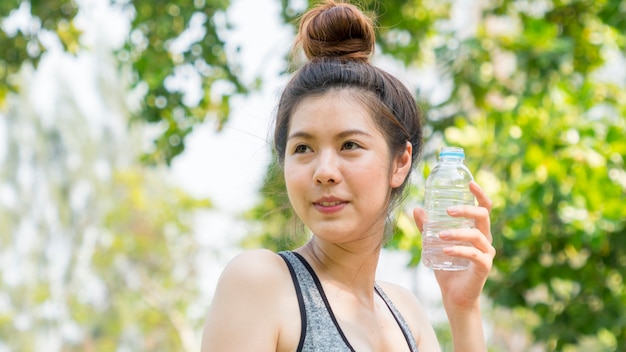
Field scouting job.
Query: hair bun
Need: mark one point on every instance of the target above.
(336, 29)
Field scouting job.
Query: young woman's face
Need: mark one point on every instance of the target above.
(338, 169)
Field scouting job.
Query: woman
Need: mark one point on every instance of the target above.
(347, 135)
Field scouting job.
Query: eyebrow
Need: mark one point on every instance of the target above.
(341, 135)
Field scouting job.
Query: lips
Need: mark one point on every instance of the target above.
(329, 204)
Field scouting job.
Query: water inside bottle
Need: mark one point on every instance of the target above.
(432, 246)
(434, 258)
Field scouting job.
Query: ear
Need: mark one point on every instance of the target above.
(401, 166)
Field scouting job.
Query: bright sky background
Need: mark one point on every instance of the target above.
(228, 166)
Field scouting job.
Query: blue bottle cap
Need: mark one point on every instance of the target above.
(452, 151)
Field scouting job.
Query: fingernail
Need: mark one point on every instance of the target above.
(454, 210)
(444, 234)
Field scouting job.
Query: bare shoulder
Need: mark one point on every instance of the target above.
(245, 301)
(414, 314)
(258, 274)
(255, 266)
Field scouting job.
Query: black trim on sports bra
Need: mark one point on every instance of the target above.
(385, 299)
(326, 303)
(300, 302)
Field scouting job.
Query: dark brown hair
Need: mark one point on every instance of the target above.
(338, 39)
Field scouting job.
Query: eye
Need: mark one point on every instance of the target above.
(301, 148)
(350, 146)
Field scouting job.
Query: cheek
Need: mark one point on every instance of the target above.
(374, 170)
(294, 178)
(371, 180)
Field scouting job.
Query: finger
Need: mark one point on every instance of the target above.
(479, 214)
(472, 236)
(483, 260)
(419, 215)
(481, 197)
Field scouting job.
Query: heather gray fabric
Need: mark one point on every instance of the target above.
(320, 330)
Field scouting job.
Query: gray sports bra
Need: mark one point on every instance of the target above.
(320, 330)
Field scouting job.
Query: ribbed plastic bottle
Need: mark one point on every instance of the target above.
(447, 185)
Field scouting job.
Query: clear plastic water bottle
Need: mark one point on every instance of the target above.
(447, 185)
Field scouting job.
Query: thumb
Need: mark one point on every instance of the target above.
(419, 214)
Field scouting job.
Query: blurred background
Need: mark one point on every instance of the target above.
(135, 161)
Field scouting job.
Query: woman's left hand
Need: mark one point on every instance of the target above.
(462, 289)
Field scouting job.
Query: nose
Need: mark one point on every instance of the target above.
(327, 169)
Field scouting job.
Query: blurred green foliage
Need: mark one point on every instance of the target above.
(537, 99)
(159, 23)
(155, 26)
(150, 286)
(102, 244)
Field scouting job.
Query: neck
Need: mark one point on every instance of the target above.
(350, 267)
